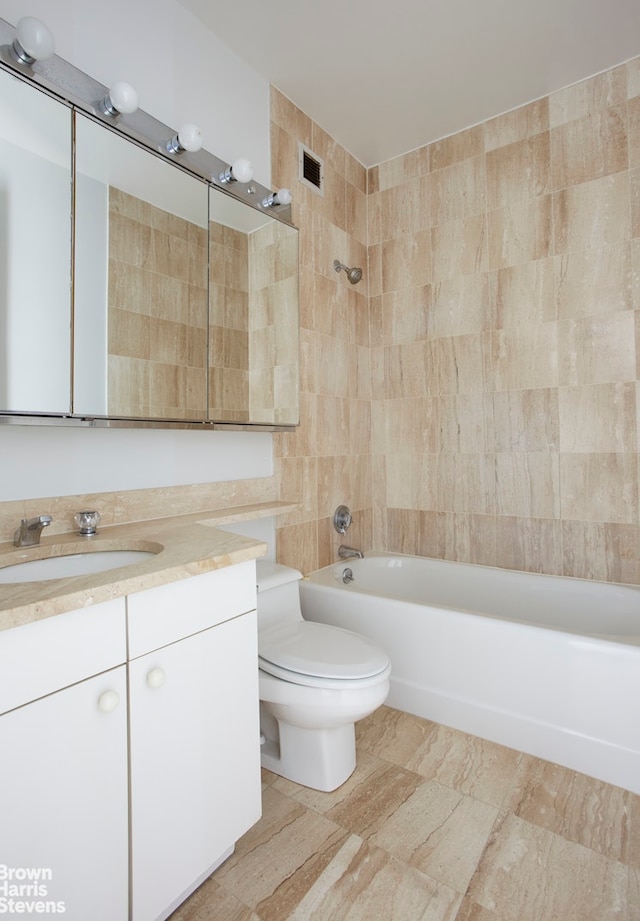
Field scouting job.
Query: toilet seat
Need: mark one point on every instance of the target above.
(320, 655)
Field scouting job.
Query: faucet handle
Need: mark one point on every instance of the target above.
(87, 522)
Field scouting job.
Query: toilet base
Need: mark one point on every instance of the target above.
(318, 758)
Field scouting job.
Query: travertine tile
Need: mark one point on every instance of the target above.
(211, 902)
(597, 349)
(401, 169)
(464, 421)
(526, 420)
(455, 365)
(460, 146)
(529, 545)
(467, 537)
(600, 417)
(298, 546)
(523, 294)
(459, 306)
(406, 261)
(459, 248)
(517, 125)
(286, 838)
(596, 93)
(405, 208)
(599, 487)
(410, 425)
(523, 358)
(520, 232)
(634, 131)
(411, 528)
(590, 147)
(634, 180)
(458, 191)
(475, 767)
(364, 882)
(405, 315)
(577, 807)
(407, 482)
(594, 282)
(521, 170)
(367, 807)
(467, 483)
(607, 551)
(592, 215)
(633, 77)
(528, 873)
(528, 485)
(404, 371)
(439, 831)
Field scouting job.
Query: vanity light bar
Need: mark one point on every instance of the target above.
(64, 81)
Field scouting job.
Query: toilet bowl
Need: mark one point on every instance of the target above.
(315, 682)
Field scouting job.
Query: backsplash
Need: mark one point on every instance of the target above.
(504, 307)
(136, 504)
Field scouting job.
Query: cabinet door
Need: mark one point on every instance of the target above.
(63, 802)
(195, 760)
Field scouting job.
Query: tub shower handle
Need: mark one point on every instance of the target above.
(347, 575)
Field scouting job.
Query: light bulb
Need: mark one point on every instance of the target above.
(121, 98)
(188, 138)
(33, 42)
(240, 171)
(282, 197)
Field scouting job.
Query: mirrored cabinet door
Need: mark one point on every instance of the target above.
(253, 315)
(35, 250)
(140, 304)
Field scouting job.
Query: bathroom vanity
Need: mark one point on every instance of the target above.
(129, 728)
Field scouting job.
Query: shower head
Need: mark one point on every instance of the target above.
(354, 275)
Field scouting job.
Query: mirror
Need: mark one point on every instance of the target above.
(140, 305)
(253, 315)
(179, 301)
(35, 250)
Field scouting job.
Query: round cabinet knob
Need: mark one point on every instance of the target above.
(155, 678)
(108, 701)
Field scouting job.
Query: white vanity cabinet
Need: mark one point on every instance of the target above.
(194, 731)
(63, 766)
(129, 748)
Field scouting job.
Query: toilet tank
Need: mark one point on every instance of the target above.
(278, 594)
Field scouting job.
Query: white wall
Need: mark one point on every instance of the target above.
(182, 73)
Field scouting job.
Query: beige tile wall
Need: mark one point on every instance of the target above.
(326, 461)
(499, 421)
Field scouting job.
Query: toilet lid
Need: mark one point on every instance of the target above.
(321, 651)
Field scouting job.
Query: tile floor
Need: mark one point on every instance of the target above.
(434, 825)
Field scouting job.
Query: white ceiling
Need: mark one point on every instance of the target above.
(386, 77)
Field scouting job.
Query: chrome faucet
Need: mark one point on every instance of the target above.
(346, 553)
(28, 534)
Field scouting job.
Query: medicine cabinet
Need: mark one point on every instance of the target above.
(134, 291)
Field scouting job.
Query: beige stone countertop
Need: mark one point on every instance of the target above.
(183, 546)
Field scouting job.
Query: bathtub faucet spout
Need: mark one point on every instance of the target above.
(346, 553)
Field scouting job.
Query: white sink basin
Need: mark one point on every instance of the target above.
(76, 564)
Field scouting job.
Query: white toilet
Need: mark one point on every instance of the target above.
(315, 682)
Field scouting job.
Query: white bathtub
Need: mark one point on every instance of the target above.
(543, 664)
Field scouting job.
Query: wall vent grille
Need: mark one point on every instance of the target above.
(310, 169)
